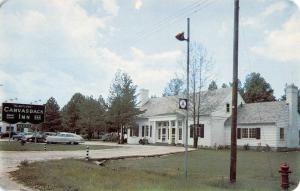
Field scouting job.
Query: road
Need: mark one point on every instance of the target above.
(11, 159)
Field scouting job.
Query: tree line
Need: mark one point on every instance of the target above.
(92, 116)
(254, 89)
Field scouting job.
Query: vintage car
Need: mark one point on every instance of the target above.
(62, 137)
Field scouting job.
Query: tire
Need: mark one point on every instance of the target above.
(75, 143)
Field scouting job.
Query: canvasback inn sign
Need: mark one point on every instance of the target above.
(13, 113)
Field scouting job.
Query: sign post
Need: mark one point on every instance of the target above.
(13, 113)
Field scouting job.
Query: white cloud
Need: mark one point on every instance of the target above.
(111, 7)
(138, 4)
(297, 2)
(275, 7)
(283, 44)
(258, 20)
(55, 49)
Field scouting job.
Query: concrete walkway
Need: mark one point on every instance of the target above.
(11, 159)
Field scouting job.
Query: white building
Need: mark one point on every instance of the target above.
(276, 124)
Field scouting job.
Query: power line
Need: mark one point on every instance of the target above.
(184, 12)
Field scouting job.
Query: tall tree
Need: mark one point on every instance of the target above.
(257, 89)
(92, 116)
(200, 71)
(213, 85)
(53, 121)
(174, 87)
(71, 113)
(224, 85)
(123, 103)
(240, 87)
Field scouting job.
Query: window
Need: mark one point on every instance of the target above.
(159, 133)
(180, 134)
(252, 133)
(143, 131)
(227, 107)
(173, 123)
(147, 130)
(191, 131)
(179, 123)
(159, 124)
(168, 134)
(150, 130)
(281, 134)
(199, 131)
(9, 128)
(134, 131)
(244, 133)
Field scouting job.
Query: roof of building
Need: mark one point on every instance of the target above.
(264, 112)
(209, 100)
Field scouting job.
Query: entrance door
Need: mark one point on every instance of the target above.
(173, 135)
(163, 135)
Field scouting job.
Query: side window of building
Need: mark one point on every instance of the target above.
(159, 133)
(227, 107)
(281, 134)
(143, 131)
(150, 130)
(201, 130)
(191, 131)
(147, 130)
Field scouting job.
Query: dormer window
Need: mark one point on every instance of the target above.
(227, 107)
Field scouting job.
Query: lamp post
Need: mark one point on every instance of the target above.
(180, 37)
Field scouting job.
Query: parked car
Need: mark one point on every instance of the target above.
(69, 138)
(18, 136)
(112, 137)
(6, 134)
(40, 137)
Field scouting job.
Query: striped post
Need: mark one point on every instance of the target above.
(45, 147)
(87, 153)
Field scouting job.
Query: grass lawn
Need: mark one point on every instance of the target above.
(16, 146)
(208, 170)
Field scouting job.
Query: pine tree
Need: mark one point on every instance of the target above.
(53, 121)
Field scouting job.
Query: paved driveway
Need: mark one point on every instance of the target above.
(11, 159)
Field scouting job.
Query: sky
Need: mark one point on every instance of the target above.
(57, 48)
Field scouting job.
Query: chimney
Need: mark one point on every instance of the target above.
(292, 97)
(144, 96)
(292, 100)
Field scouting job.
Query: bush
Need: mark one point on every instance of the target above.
(24, 163)
(258, 148)
(267, 148)
(220, 147)
(246, 147)
(22, 142)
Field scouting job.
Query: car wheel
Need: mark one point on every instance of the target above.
(75, 143)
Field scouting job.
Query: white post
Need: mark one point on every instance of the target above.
(154, 132)
(176, 131)
(170, 133)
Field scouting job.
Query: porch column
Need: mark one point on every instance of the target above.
(154, 131)
(176, 131)
(128, 132)
(170, 133)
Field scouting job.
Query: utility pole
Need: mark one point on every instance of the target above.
(187, 97)
(180, 37)
(233, 151)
